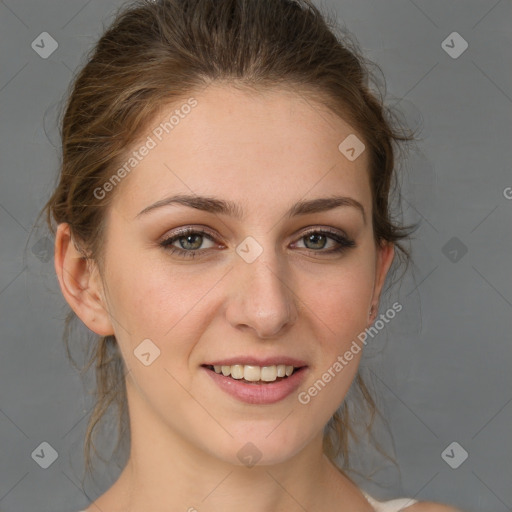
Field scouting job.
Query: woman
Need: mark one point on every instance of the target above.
(223, 227)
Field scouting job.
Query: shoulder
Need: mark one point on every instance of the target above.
(430, 506)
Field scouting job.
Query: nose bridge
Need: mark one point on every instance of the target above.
(263, 299)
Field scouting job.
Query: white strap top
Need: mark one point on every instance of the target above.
(383, 506)
(389, 506)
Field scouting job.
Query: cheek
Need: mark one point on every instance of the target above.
(171, 306)
(340, 300)
(156, 299)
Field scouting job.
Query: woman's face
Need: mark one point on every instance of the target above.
(263, 286)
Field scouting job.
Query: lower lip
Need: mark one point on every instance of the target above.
(268, 393)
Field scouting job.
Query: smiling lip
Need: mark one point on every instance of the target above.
(255, 361)
(258, 393)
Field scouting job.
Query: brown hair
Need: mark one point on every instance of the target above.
(158, 52)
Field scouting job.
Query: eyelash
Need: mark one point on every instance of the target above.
(344, 243)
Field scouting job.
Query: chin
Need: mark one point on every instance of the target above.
(265, 446)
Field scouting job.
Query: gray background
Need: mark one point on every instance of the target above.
(441, 368)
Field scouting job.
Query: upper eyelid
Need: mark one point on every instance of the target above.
(190, 230)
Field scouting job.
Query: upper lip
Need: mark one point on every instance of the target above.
(257, 361)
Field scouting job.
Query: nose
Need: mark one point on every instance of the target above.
(262, 299)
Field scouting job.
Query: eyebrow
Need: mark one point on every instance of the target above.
(220, 206)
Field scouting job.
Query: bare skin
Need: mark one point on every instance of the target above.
(265, 152)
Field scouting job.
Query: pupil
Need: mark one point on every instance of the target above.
(313, 236)
(187, 238)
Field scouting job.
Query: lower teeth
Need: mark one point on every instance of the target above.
(258, 381)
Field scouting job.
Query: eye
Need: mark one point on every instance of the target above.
(318, 239)
(191, 240)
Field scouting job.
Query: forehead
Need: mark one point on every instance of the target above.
(260, 148)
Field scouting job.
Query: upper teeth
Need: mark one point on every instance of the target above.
(255, 373)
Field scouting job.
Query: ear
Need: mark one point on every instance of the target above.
(80, 283)
(385, 255)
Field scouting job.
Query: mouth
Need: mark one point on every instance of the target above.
(256, 375)
(257, 385)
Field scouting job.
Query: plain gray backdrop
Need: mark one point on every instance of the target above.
(441, 368)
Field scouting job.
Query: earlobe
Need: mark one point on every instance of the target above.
(80, 283)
